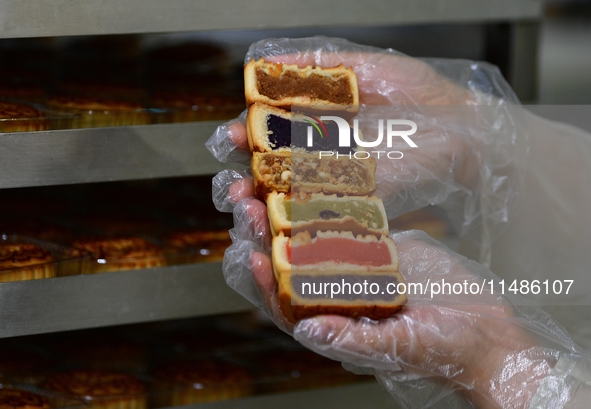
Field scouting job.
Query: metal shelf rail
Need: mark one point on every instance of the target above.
(32, 18)
(94, 300)
(106, 154)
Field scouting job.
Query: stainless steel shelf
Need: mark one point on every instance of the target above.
(87, 301)
(353, 396)
(106, 154)
(31, 18)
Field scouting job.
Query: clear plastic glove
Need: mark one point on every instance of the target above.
(469, 140)
(444, 351)
(494, 354)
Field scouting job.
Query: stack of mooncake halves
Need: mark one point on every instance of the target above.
(331, 251)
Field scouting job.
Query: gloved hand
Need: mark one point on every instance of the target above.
(441, 348)
(495, 354)
(490, 352)
(470, 145)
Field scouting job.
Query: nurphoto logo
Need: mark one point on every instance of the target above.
(390, 131)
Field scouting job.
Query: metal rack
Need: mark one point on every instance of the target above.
(30, 18)
(139, 152)
(95, 300)
(106, 154)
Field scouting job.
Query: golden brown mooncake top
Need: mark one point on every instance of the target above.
(19, 399)
(206, 372)
(94, 383)
(13, 110)
(15, 255)
(119, 248)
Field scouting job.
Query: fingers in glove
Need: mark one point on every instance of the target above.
(451, 339)
(251, 223)
(262, 272)
(229, 143)
(240, 189)
(237, 269)
(363, 342)
(229, 187)
(237, 135)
